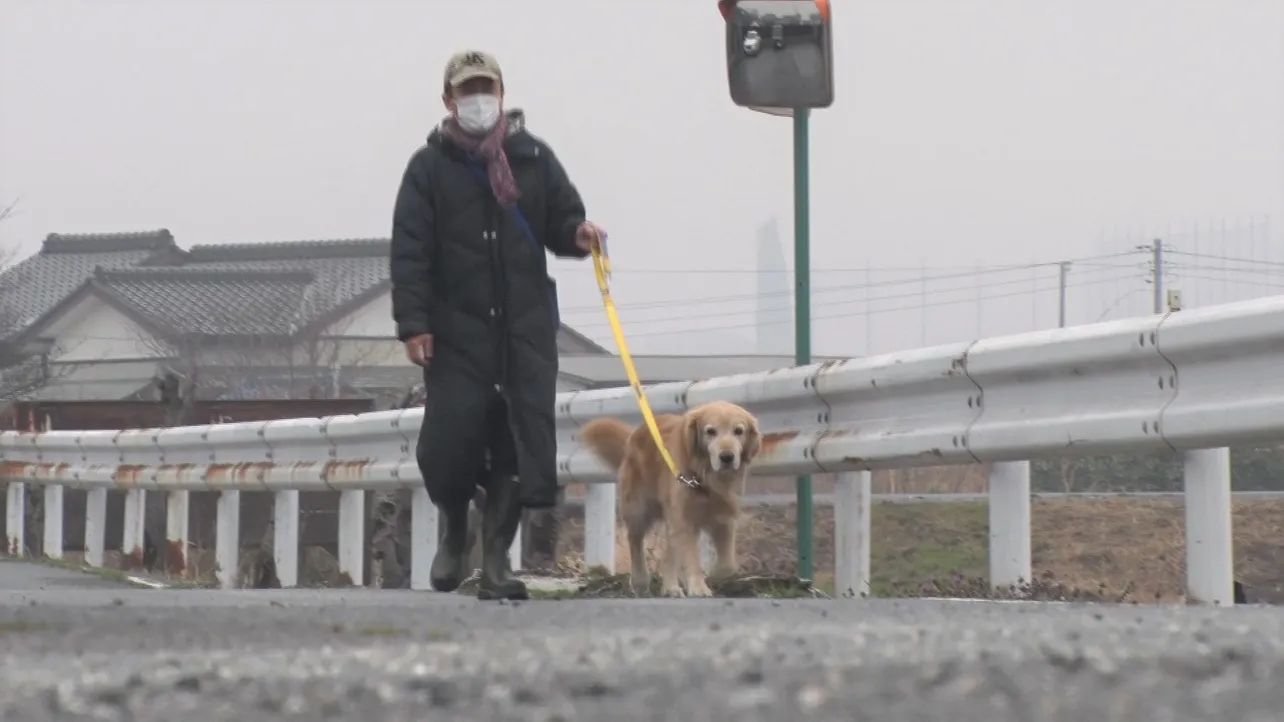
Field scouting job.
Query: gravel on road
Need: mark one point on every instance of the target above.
(77, 647)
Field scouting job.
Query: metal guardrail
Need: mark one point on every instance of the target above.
(760, 500)
(1191, 381)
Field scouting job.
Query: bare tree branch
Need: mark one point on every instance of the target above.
(24, 368)
(20, 375)
(195, 368)
(329, 349)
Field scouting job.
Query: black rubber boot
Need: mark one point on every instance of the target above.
(500, 521)
(449, 566)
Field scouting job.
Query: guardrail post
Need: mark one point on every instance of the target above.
(515, 551)
(95, 526)
(285, 537)
(227, 538)
(131, 546)
(852, 535)
(1210, 562)
(176, 517)
(352, 534)
(1009, 524)
(15, 522)
(423, 538)
(52, 546)
(599, 526)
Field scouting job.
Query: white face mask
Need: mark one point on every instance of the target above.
(477, 113)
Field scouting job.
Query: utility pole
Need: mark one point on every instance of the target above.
(1157, 251)
(802, 313)
(1061, 306)
(758, 71)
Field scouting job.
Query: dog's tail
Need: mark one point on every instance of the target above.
(607, 438)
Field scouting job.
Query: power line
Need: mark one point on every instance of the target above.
(914, 307)
(1227, 259)
(1223, 280)
(973, 270)
(855, 301)
(788, 294)
(1269, 273)
(1273, 272)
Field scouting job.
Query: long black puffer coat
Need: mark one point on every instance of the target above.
(468, 271)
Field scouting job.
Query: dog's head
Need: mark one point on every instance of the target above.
(723, 437)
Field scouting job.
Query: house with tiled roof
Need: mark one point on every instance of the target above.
(100, 316)
(108, 312)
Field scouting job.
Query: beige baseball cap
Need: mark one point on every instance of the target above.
(468, 64)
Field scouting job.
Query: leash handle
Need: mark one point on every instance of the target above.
(602, 269)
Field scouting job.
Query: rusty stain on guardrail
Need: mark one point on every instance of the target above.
(127, 475)
(777, 438)
(345, 471)
(222, 475)
(13, 470)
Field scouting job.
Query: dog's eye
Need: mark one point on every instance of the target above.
(710, 431)
(740, 431)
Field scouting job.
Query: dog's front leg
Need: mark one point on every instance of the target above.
(670, 576)
(688, 548)
(723, 532)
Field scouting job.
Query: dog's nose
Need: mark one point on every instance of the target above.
(726, 457)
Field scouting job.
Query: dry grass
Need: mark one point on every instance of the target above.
(970, 479)
(1118, 548)
(1115, 548)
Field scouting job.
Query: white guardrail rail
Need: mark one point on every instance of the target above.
(1193, 381)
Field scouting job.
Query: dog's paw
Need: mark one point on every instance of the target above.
(673, 590)
(698, 588)
(639, 590)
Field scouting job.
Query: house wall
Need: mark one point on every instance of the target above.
(92, 331)
(106, 353)
(359, 351)
(95, 331)
(365, 337)
(372, 319)
(97, 380)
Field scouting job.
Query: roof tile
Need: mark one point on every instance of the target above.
(36, 284)
(108, 242)
(209, 288)
(213, 303)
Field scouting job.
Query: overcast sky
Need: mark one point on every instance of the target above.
(964, 134)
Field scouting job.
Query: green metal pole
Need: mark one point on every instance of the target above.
(802, 311)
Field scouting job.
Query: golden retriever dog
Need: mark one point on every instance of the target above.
(714, 444)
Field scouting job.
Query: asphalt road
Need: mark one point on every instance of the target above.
(76, 647)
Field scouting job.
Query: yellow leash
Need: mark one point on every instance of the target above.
(602, 268)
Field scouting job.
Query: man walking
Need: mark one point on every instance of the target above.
(479, 205)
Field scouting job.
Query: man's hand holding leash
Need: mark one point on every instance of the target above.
(419, 349)
(589, 236)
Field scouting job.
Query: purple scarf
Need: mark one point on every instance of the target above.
(489, 148)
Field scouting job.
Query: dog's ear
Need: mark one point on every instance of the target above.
(753, 440)
(691, 435)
